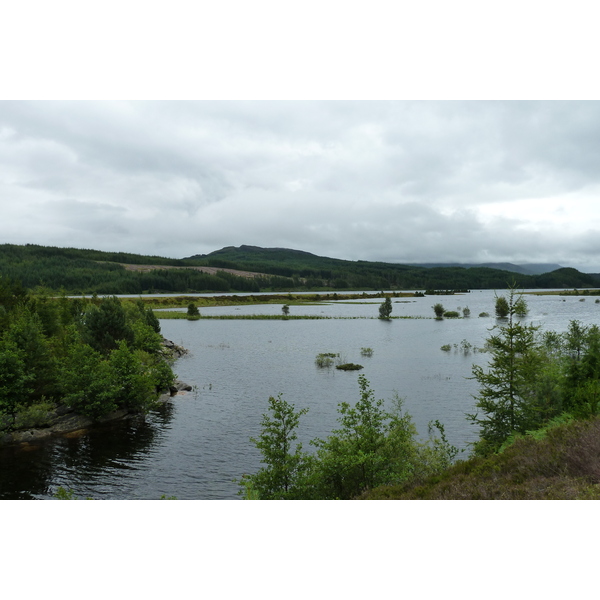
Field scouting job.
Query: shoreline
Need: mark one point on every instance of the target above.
(65, 421)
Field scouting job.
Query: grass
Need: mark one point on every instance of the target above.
(562, 462)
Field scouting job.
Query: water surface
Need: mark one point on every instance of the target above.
(198, 444)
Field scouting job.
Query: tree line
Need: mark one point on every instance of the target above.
(93, 356)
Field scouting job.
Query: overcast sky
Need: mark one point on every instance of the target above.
(393, 181)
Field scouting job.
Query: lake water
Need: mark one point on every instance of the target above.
(198, 444)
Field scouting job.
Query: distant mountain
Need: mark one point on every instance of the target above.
(315, 271)
(524, 269)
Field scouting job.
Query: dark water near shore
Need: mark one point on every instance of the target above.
(198, 444)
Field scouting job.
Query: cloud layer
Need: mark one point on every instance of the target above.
(394, 181)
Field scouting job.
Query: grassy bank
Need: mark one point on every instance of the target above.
(559, 462)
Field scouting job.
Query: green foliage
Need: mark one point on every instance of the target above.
(505, 398)
(35, 415)
(25, 333)
(15, 381)
(64, 494)
(466, 312)
(451, 314)
(446, 347)
(439, 310)
(106, 325)
(502, 307)
(325, 360)
(279, 479)
(349, 367)
(285, 309)
(371, 447)
(368, 352)
(521, 309)
(88, 382)
(93, 356)
(134, 388)
(192, 312)
(385, 310)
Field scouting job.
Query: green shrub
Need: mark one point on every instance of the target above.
(366, 351)
(439, 310)
(36, 415)
(193, 314)
(325, 360)
(349, 367)
(451, 314)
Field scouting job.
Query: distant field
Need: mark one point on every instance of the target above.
(208, 270)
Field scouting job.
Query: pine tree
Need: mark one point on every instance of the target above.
(504, 397)
(385, 310)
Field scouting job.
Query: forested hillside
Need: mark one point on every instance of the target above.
(319, 271)
(78, 271)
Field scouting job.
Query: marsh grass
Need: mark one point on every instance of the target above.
(325, 360)
(166, 314)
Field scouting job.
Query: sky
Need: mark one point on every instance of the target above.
(396, 181)
(412, 135)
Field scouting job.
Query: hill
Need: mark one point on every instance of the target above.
(524, 269)
(250, 269)
(345, 274)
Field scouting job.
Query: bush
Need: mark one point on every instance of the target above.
(349, 367)
(325, 360)
(366, 351)
(451, 314)
(385, 310)
(439, 310)
(193, 314)
(36, 415)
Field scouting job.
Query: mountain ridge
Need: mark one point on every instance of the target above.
(244, 251)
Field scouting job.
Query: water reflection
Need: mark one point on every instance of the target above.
(74, 460)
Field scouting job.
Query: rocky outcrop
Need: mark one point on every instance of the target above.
(178, 388)
(173, 350)
(63, 421)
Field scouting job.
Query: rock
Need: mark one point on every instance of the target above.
(61, 424)
(180, 386)
(172, 349)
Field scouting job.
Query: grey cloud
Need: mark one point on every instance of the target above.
(398, 181)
